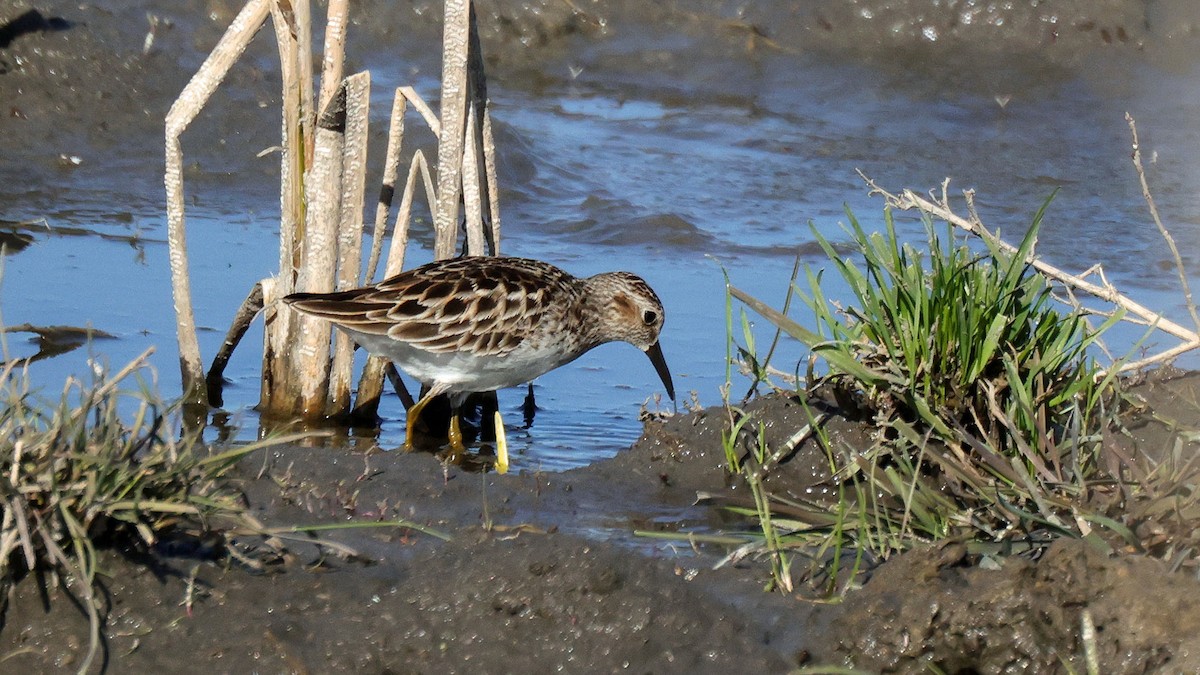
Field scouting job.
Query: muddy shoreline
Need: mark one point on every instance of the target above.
(543, 571)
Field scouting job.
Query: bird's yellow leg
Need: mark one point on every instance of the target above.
(457, 449)
(411, 423)
(501, 444)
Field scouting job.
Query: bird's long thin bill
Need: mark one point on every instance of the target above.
(660, 366)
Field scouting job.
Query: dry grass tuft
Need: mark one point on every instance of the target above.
(102, 464)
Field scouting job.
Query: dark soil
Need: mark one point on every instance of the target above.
(543, 572)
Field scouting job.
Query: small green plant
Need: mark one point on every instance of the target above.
(772, 538)
(988, 406)
(959, 342)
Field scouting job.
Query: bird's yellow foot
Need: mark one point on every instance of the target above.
(411, 423)
(454, 454)
(456, 448)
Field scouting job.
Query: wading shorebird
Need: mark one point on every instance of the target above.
(476, 324)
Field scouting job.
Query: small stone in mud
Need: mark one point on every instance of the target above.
(508, 604)
(605, 581)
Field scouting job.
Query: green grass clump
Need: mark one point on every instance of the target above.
(988, 407)
(959, 343)
(100, 465)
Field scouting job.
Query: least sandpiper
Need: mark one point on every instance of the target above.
(476, 324)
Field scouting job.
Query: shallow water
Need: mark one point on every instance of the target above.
(669, 149)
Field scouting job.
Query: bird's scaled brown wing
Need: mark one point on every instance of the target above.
(460, 305)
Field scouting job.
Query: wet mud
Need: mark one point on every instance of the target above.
(543, 571)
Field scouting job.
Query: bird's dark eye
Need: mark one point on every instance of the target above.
(649, 317)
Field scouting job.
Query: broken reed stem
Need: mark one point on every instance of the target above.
(1166, 235)
(455, 40)
(940, 208)
(311, 360)
(294, 129)
(185, 109)
(471, 188)
(334, 50)
(292, 160)
(370, 384)
(302, 12)
(250, 308)
(350, 229)
(321, 193)
(478, 138)
(423, 108)
(493, 186)
(387, 188)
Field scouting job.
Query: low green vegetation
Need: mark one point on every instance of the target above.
(992, 421)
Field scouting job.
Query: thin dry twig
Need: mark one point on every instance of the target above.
(1166, 235)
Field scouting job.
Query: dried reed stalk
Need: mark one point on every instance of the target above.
(318, 258)
(296, 126)
(387, 189)
(350, 230)
(185, 109)
(455, 40)
(323, 168)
